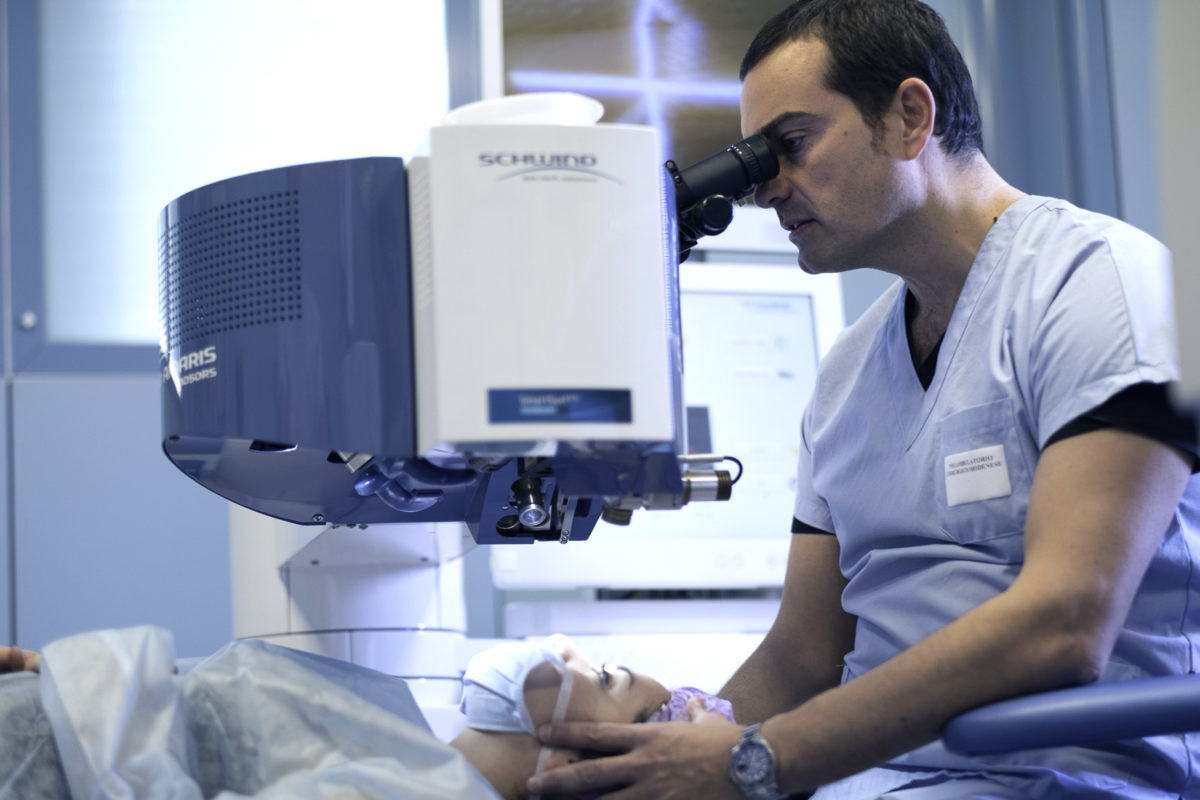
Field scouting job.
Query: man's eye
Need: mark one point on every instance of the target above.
(791, 144)
(605, 676)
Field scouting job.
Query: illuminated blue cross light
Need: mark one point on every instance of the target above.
(655, 92)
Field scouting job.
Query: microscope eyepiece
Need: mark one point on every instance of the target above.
(733, 172)
(706, 191)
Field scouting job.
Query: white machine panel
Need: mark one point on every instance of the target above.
(527, 331)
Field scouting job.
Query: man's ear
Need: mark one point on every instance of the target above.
(917, 111)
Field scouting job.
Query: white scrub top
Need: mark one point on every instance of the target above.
(927, 489)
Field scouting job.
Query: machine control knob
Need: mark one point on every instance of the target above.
(616, 516)
(708, 484)
(712, 215)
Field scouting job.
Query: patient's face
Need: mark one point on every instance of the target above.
(599, 692)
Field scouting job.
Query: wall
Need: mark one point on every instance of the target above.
(107, 532)
(6, 606)
(1178, 118)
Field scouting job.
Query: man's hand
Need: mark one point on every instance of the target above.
(14, 659)
(657, 761)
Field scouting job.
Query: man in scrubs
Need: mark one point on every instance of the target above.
(992, 500)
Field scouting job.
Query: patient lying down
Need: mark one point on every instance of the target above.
(255, 720)
(511, 689)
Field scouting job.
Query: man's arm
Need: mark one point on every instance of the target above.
(1100, 504)
(1097, 512)
(803, 652)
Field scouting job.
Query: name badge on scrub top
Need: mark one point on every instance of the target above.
(977, 475)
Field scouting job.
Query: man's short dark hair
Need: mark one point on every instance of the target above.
(874, 45)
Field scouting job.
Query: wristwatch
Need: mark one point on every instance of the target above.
(752, 766)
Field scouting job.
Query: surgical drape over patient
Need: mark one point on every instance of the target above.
(251, 720)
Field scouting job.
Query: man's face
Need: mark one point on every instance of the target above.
(837, 185)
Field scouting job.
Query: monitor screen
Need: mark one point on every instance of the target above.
(752, 337)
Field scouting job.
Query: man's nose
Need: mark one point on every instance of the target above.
(768, 193)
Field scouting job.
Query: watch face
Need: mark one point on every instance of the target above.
(752, 766)
(753, 762)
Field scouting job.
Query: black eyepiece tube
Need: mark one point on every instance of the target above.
(705, 192)
(732, 173)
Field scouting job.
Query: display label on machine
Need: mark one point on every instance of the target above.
(198, 365)
(559, 405)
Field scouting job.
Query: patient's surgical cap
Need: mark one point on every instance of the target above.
(493, 696)
(675, 709)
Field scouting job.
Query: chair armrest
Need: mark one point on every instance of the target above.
(1081, 715)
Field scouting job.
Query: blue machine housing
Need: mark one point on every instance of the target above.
(287, 364)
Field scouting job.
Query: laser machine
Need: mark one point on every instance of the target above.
(488, 334)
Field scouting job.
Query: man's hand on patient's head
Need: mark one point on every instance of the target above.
(14, 659)
(652, 761)
(699, 714)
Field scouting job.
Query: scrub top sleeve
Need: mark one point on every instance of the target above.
(810, 508)
(804, 527)
(1145, 409)
(1108, 326)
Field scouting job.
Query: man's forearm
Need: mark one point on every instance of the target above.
(745, 689)
(766, 684)
(803, 652)
(903, 704)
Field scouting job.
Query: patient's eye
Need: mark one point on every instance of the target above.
(606, 677)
